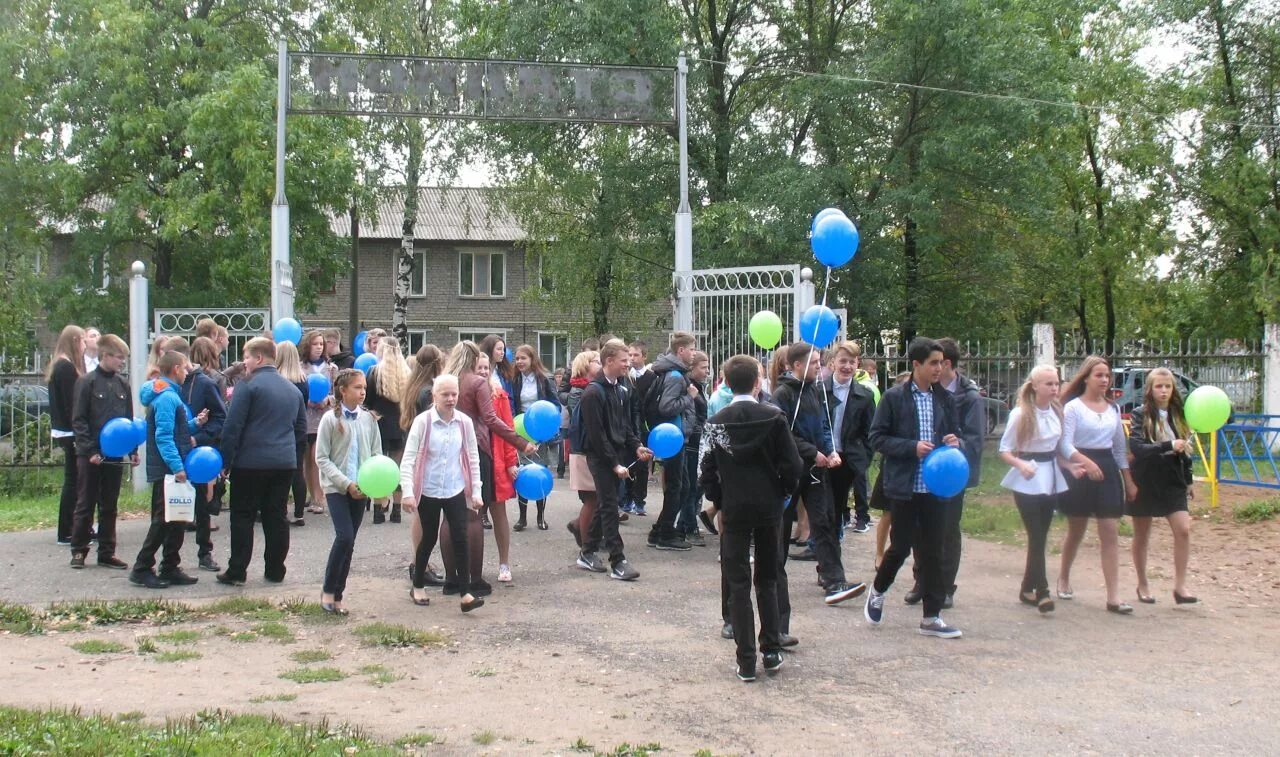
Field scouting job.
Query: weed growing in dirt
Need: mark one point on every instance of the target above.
(390, 635)
(581, 745)
(1257, 511)
(277, 632)
(131, 716)
(308, 656)
(261, 698)
(313, 675)
(19, 619)
(484, 673)
(384, 678)
(254, 608)
(181, 636)
(98, 613)
(484, 738)
(309, 611)
(147, 645)
(99, 646)
(626, 750)
(242, 636)
(177, 655)
(418, 739)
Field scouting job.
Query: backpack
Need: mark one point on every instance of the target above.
(649, 401)
(578, 434)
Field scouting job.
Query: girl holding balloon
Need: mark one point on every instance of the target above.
(345, 439)
(529, 385)
(1093, 438)
(314, 362)
(505, 461)
(387, 383)
(1158, 439)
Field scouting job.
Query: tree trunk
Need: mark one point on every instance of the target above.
(602, 298)
(404, 268)
(163, 263)
(911, 257)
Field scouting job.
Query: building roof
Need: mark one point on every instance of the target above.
(451, 214)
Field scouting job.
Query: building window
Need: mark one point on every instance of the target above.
(326, 283)
(553, 350)
(545, 281)
(417, 340)
(482, 274)
(100, 272)
(478, 335)
(418, 276)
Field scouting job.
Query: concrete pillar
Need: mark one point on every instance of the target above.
(1271, 369)
(139, 309)
(1042, 337)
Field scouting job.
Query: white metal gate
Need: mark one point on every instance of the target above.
(241, 324)
(724, 299)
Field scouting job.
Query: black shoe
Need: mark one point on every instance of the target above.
(485, 522)
(228, 580)
(672, 544)
(451, 589)
(772, 661)
(77, 562)
(379, 515)
(147, 579)
(432, 578)
(746, 675)
(520, 525)
(208, 563)
(861, 526)
(1184, 599)
(542, 523)
(297, 522)
(113, 562)
(708, 522)
(475, 603)
(837, 593)
(806, 555)
(177, 577)
(914, 596)
(726, 632)
(787, 641)
(395, 514)
(481, 588)
(273, 579)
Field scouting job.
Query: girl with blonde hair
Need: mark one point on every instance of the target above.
(387, 383)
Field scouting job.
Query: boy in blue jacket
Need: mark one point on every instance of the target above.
(168, 442)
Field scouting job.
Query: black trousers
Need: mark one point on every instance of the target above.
(850, 478)
(824, 530)
(97, 488)
(162, 534)
(735, 568)
(204, 538)
(603, 533)
(637, 487)
(454, 510)
(953, 511)
(262, 493)
(673, 485)
(921, 520)
(1037, 515)
(67, 502)
(299, 483)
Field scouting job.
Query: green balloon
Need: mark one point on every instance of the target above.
(378, 476)
(518, 425)
(765, 329)
(1207, 409)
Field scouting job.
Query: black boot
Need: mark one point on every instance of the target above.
(523, 522)
(542, 509)
(379, 514)
(395, 512)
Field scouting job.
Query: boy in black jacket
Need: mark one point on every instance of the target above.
(610, 440)
(669, 400)
(101, 395)
(799, 395)
(749, 464)
(911, 420)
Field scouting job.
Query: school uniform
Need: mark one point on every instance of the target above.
(1163, 476)
(100, 396)
(62, 394)
(1035, 497)
(852, 407)
(343, 443)
(1099, 437)
(199, 393)
(610, 440)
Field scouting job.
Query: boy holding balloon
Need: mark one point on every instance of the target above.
(911, 421)
(168, 442)
(101, 395)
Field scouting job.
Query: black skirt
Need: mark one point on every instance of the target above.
(1086, 498)
(486, 478)
(1157, 502)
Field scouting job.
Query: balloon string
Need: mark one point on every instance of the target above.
(826, 288)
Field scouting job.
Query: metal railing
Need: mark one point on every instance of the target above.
(25, 439)
(1247, 451)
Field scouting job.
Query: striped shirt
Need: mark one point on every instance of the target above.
(924, 431)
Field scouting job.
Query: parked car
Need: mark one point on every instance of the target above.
(1127, 386)
(21, 404)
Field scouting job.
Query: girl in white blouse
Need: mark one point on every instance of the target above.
(1031, 445)
(1093, 436)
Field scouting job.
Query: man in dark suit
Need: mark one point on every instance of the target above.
(266, 423)
(749, 464)
(853, 407)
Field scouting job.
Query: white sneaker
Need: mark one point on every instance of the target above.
(504, 574)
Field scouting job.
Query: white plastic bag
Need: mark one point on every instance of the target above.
(179, 500)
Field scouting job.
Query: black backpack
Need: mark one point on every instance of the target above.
(651, 397)
(578, 434)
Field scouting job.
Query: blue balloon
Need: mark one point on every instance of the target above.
(318, 387)
(366, 362)
(821, 214)
(117, 438)
(203, 464)
(533, 481)
(287, 330)
(511, 356)
(139, 431)
(542, 421)
(834, 240)
(357, 344)
(666, 440)
(819, 326)
(946, 471)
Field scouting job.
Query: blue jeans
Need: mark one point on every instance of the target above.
(687, 521)
(346, 513)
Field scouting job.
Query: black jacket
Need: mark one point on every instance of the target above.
(1156, 468)
(894, 433)
(388, 413)
(858, 410)
(99, 397)
(200, 392)
(749, 463)
(971, 411)
(810, 427)
(267, 422)
(604, 411)
(672, 384)
(343, 359)
(546, 391)
(62, 394)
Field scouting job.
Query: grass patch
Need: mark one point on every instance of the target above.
(98, 613)
(147, 645)
(627, 750)
(309, 656)
(99, 646)
(384, 678)
(253, 608)
(27, 513)
(276, 631)
(417, 739)
(484, 738)
(992, 522)
(74, 732)
(132, 716)
(1257, 511)
(373, 670)
(390, 635)
(243, 636)
(262, 698)
(177, 655)
(309, 611)
(581, 745)
(180, 636)
(313, 675)
(484, 673)
(20, 619)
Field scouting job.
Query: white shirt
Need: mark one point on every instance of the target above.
(841, 391)
(528, 390)
(742, 398)
(442, 476)
(1048, 438)
(1083, 428)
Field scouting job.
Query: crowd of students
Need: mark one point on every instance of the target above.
(778, 455)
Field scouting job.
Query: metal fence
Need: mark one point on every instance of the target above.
(25, 439)
(241, 325)
(725, 299)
